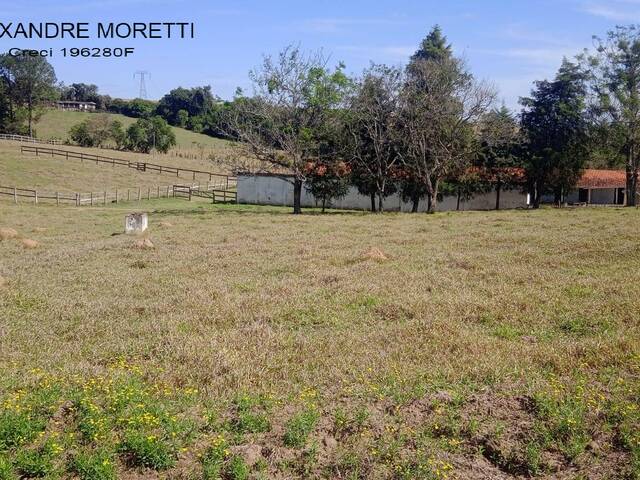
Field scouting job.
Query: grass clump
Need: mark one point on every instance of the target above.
(298, 428)
(147, 450)
(6, 469)
(97, 465)
(219, 463)
(251, 414)
(38, 462)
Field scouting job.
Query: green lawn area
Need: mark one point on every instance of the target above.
(55, 124)
(251, 343)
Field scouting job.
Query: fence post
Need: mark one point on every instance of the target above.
(116, 195)
(177, 172)
(148, 193)
(35, 197)
(104, 202)
(194, 176)
(15, 195)
(158, 196)
(138, 193)
(189, 193)
(167, 191)
(224, 196)
(128, 195)
(91, 201)
(77, 199)
(57, 199)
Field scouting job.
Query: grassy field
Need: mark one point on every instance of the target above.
(55, 124)
(250, 343)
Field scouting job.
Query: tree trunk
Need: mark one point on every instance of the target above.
(498, 189)
(415, 202)
(324, 202)
(30, 107)
(536, 197)
(458, 201)
(297, 196)
(557, 197)
(433, 197)
(632, 184)
(380, 202)
(373, 202)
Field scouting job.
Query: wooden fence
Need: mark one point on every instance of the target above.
(209, 191)
(226, 182)
(87, 198)
(26, 139)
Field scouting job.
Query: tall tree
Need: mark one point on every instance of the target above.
(554, 126)
(616, 83)
(280, 126)
(372, 130)
(30, 82)
(441, 102)
(497, 160)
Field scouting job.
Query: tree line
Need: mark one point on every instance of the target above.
(432, 129)
(423, 131)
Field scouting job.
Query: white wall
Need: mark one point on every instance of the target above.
(271, 190)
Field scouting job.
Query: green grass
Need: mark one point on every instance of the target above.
(55, 124)
(251, 343)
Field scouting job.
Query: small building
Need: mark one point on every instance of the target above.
(600, 187)
(76, 106)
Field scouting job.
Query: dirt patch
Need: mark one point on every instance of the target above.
(7, 233)
(3, 281)
(165, 224)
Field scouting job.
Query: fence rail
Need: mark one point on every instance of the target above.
(89, 198)
(209, 191)
(227, 180)
(27, 139)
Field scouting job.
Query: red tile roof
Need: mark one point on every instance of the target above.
(593, 178)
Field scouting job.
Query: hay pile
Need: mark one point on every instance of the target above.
(165, 224)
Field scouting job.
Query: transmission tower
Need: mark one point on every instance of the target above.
(143, 83)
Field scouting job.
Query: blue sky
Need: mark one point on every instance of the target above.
(510, 43)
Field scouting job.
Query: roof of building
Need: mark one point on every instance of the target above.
(593, 178)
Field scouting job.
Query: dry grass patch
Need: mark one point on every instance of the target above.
(8, 233)
(493, 345)
(144, 243)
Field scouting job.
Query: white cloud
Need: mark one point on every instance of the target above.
(619, 11)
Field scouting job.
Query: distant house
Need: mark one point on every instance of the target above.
(600, 187)
(76, 106)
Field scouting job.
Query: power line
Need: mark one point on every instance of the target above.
(143, 83)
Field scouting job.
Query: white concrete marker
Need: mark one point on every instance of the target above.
(135, 223)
